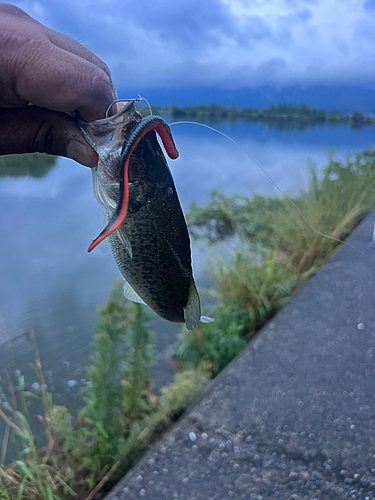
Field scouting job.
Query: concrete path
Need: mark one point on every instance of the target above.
(293, 417)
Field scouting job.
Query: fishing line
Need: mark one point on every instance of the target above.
(148, 104)
(270, 178)
(136, 99)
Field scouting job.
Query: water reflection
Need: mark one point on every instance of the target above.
(208, 161)
(31, 165)
(50, 284)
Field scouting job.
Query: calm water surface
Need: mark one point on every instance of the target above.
(50, 284)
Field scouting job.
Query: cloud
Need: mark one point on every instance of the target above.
(231, 43)
(189, 23)
(369, 4)
(304, 14)
(272, 69)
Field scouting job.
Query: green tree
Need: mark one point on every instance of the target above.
(31, 165)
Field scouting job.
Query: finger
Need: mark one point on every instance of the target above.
(62, 41)
(32, 129)
(69, 45)
(66, 43)
(51, 70)
(53, 78)
(12, 10)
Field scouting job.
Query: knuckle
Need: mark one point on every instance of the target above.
(99, 93)
(45, 131)
(43, 138)
(102, 65)
(100, 81)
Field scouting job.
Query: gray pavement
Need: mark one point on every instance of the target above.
(292, 417)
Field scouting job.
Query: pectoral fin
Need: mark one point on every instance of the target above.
(104, 245)
(192, 310)
(100, 195)
(125, 240)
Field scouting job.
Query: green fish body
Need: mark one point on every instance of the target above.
(152, 246)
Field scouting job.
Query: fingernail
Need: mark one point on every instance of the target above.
(82, 153)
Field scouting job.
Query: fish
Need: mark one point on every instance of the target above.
(143, 218)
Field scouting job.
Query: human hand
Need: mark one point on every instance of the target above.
(58, 76)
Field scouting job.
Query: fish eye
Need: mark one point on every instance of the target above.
(134, 205)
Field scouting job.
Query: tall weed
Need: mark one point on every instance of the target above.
(254, 285)
(119, 419)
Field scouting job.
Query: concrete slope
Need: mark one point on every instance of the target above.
(293, 417)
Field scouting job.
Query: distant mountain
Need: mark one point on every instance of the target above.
(343, 98)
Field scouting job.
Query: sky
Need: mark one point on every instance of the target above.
(227, 44)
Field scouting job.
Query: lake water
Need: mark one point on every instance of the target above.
(50, 284)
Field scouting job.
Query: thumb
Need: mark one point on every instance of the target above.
(32, 129)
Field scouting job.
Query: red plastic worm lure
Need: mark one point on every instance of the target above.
(139, 131)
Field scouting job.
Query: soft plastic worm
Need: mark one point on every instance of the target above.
(138, 132)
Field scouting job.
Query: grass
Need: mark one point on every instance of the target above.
(120, 417)
(279, 251)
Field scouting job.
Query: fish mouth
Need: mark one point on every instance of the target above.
(106, 136)
(120, 117)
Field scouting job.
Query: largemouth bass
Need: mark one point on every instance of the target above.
(143, 219)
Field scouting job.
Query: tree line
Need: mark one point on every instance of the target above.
(282, 112)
